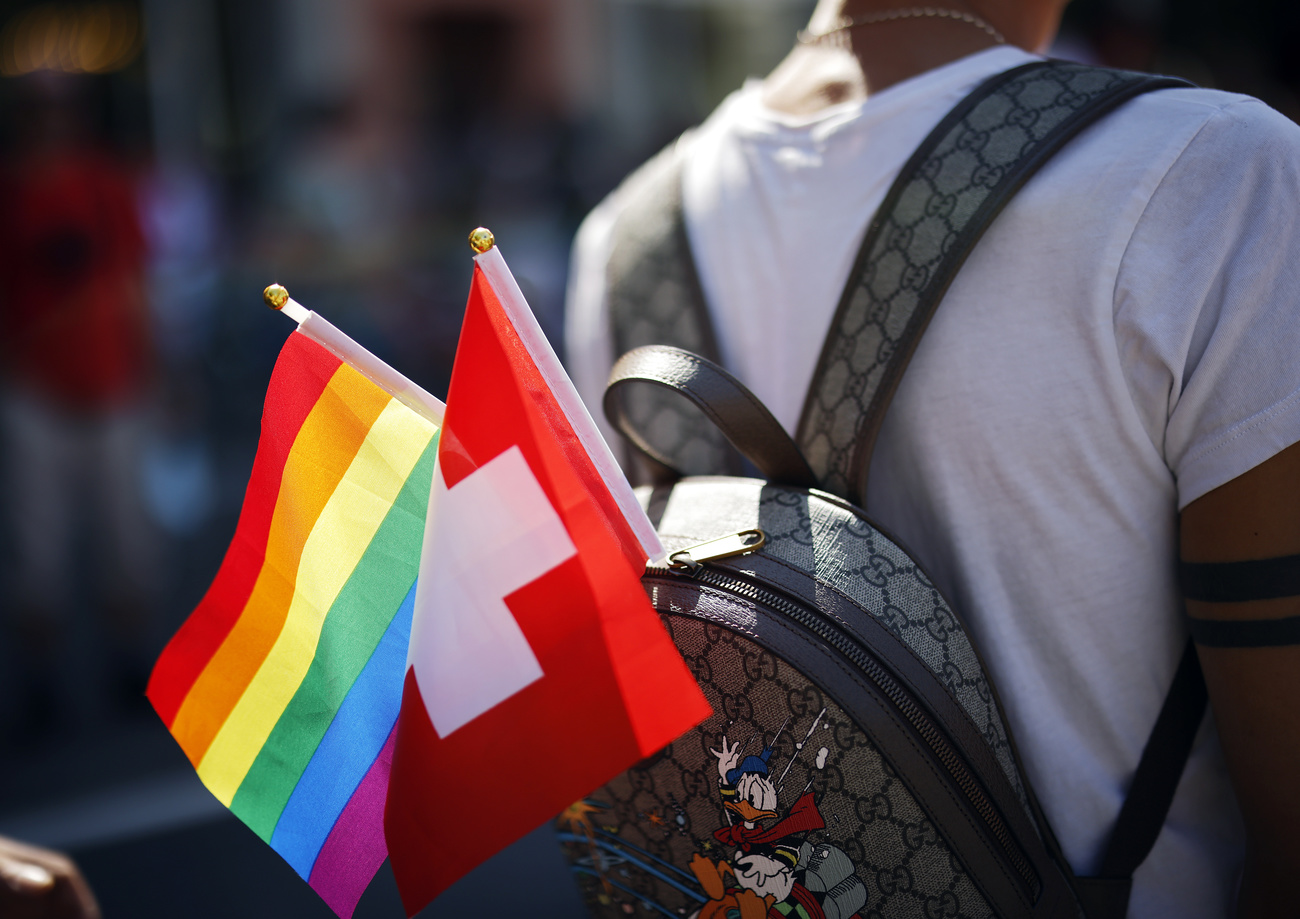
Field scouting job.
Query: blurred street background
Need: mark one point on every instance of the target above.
(162, 161)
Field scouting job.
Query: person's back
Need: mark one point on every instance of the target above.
(1116, 348)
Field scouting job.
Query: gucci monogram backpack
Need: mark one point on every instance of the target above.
(858, 763)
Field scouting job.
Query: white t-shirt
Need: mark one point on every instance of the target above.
(1123, 340)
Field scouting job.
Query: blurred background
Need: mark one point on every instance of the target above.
(161, 161)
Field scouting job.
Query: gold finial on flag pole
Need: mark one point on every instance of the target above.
(277, 298)
(480, 240)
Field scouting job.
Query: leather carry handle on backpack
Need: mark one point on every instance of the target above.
(830, 637)
(733, 409)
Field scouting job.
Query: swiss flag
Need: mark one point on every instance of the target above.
(537, 669)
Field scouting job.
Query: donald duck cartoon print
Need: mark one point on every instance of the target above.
(762, 877)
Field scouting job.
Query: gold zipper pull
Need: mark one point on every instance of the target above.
(741, 543)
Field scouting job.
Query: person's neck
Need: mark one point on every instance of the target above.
(849, 64)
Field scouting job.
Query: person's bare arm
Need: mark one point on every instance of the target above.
(39, 883)
(1255, 691)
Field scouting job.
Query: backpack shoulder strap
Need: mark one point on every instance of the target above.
(957, 181)
(947, 194)
(655, 298)
(1105, 896)
(654, 291)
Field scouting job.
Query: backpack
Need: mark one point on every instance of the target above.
(857, 763)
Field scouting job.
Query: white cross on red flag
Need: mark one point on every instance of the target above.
(537, 669)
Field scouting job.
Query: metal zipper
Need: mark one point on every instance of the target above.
(885, 682)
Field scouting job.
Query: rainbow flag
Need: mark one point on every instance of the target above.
(283, 686)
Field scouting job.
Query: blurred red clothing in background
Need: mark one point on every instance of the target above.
(72, 311)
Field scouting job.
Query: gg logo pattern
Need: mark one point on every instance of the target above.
(658, 817)
(916, 243)
(851, 555)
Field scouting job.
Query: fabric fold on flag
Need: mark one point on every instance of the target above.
(537, 669)
(283, 686)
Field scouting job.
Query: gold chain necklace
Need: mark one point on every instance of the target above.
(928, 12)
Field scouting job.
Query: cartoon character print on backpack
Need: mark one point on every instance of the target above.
(753, 815)
(765, 843)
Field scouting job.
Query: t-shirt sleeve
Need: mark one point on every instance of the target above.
(1206, 300)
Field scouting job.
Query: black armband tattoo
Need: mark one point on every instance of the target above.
(1238, 582)
(1245, 633)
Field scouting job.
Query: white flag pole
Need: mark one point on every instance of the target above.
(548, 363)
(328, 336)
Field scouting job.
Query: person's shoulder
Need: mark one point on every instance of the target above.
(1183, 140)
(655, 171)
(1215, 121)
(665, 165)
